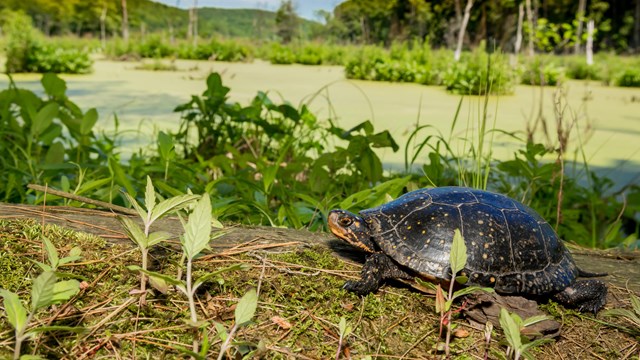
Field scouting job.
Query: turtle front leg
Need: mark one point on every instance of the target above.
(586, 295)
(375, 270)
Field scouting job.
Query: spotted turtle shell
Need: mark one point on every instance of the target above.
(510, 247)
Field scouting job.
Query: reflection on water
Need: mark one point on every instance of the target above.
(608, 122)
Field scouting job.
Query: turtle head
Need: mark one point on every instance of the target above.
(351, 228)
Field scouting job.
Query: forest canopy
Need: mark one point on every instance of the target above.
(555, 25)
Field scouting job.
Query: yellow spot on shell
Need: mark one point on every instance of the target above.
(480, 222)
(492, 279)
(485, 256)
(486, 245)
(409, 227)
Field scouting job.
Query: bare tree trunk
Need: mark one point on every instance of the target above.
(590, 29)
(142, 31)
(103, 28)
(463, 27)
(125, 21)
(579, 16)
(531, 28)
(518, 44)
(636, 27)
(195, 23)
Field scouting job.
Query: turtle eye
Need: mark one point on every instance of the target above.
(345, 221)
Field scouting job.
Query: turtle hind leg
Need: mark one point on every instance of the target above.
(375, 270)
(586, 295)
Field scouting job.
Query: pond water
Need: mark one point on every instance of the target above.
(606, 120)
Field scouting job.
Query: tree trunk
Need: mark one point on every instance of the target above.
(463, 27)
(195, 23)
(636, 27)
(103, 28)
(125, 21)
(190, 26)
(590, 29)
(518, 44)
(531, 28)
(579, 16)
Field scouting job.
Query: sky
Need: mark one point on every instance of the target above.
(304, 8)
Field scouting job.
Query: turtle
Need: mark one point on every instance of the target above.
(510, 247)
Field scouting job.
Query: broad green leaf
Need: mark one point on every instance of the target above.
(470, 290)
(120, 176)
(64, 290)
(198, 229)
(55, 154)
(345, 329)
(376, 196)
(246, 308)
(172, 204)
(43, 290)
(169, 279)
(427, 284)
(458, 257)
(52, 253)
(221, 330)
(74, 252)
(149, 196)
(159, 284)
(44, 118)
(166, 146)
(53, 85)
(511, 329)
(205, 343)
(134, 232)
(44, 267)
(16, 313)
(462, 279)
(534, 319)
(201, 280)
(88, 121)
(158, 236)
(142, 212)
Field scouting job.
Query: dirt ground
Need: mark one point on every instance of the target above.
(298, 276)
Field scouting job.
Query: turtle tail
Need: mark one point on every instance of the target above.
(582, 273)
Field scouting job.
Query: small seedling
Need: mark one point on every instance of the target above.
(631, 316)
(195, 239)
(54, 258)
(46, 291)
(512, 325)
(458, 260)
(345, 331)
(145, 238)
(245, 310)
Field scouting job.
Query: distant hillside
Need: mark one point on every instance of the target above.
(251, 23)
(82, 17)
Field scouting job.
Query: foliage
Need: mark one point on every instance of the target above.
(537, 71)
(286, 21)
(512, 325)
(479, 73)
(630, 77)
(457, 263)
(45, 292)
(632, 316)
(27, 50)
(145, 239)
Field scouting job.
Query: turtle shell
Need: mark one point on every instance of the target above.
(510, 247)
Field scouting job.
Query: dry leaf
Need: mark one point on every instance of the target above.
(282, 322)
(460, 333)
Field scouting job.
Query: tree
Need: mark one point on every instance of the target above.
(287, 22)
(579, 17)
(463, 27)
(125, 21)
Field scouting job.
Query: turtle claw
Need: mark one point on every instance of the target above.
(358, 287)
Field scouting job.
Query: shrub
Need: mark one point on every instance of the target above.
(577, 68)
(630, 77)
(153, 46)
(281, 54)
(21, 40)
(478, 73)
(538, 71)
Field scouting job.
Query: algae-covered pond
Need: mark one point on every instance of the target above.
(607, 118)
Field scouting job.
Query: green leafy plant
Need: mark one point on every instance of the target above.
(632, 316)
(46, 291)
(512, 325)
(245, 310)
(144, 238)
(444, 302)
(344, 331)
